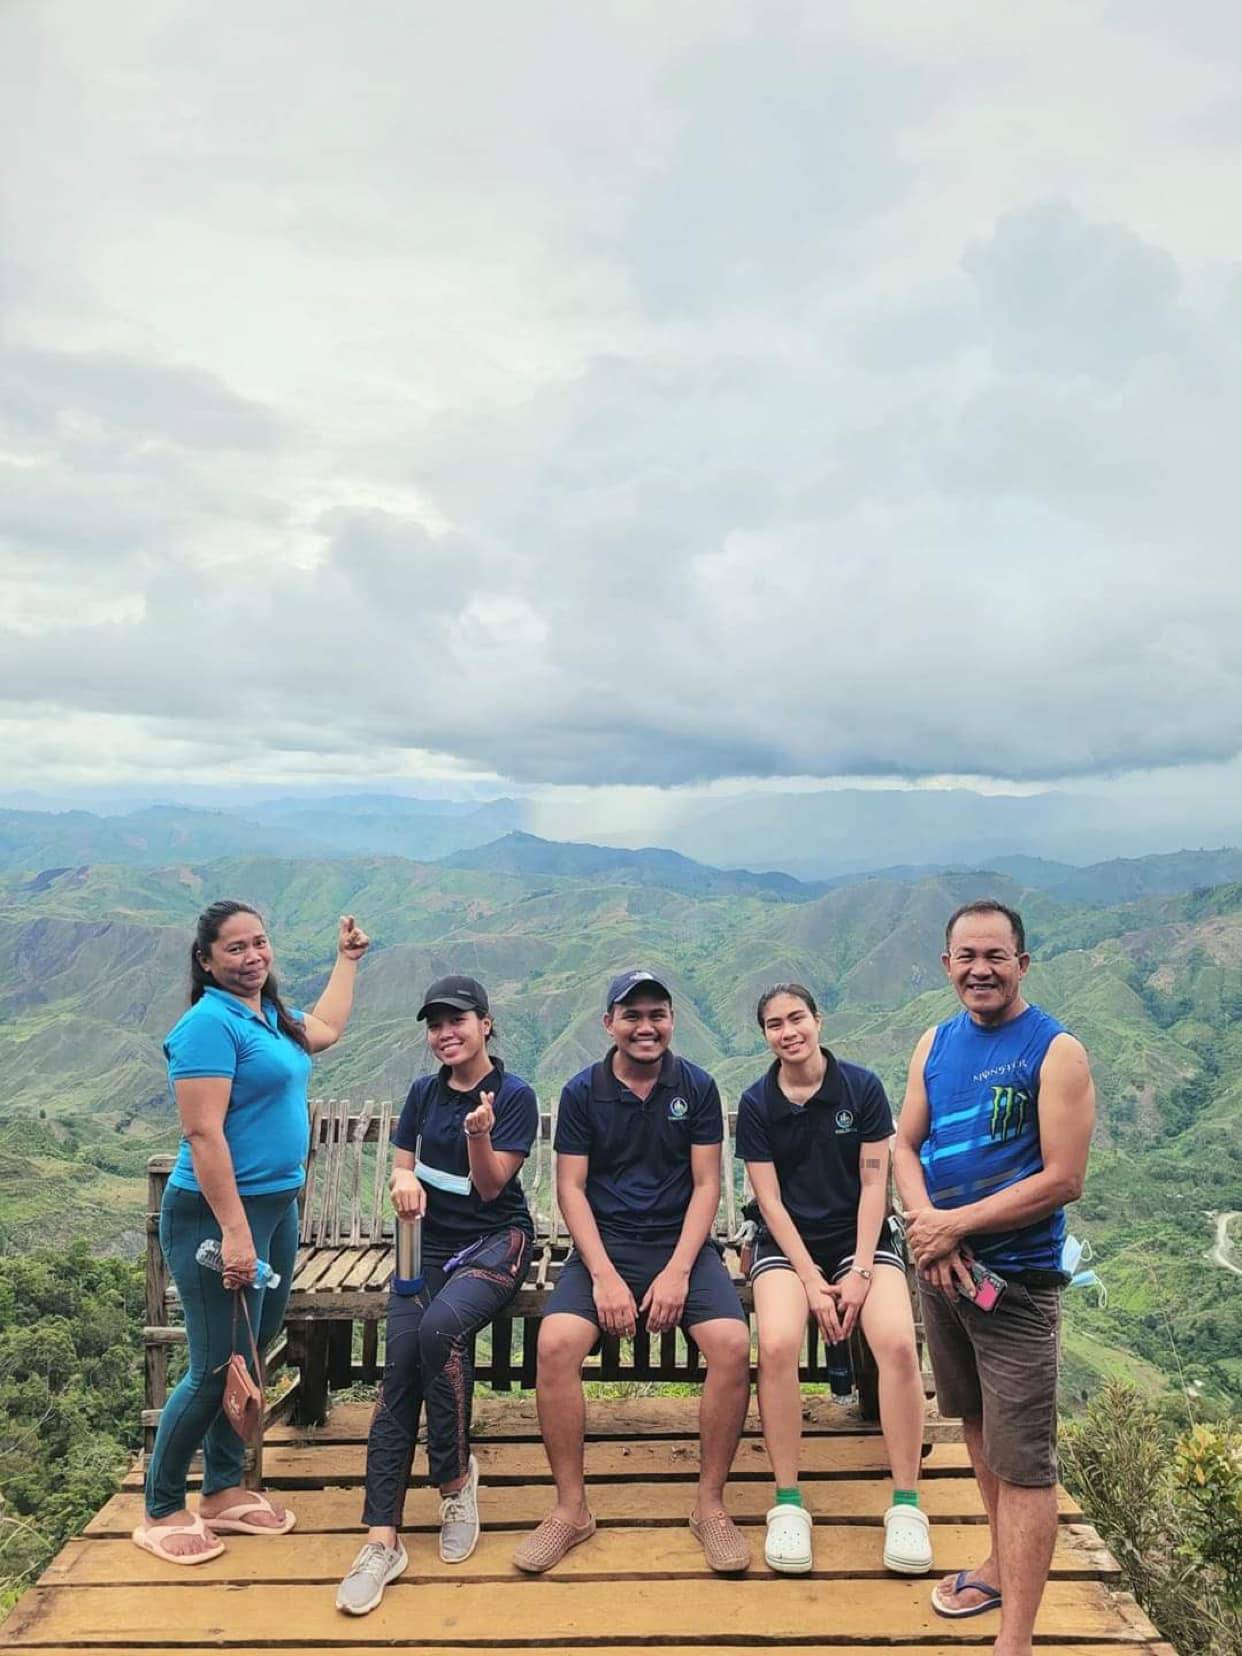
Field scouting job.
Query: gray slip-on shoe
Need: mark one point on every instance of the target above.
(459, 1519)
(375, 1566)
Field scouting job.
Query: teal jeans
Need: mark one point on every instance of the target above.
(193, 1415)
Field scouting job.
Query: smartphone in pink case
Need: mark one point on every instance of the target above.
(988, 1287)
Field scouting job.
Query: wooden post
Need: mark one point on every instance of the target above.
(155, 1356)
(313, 1404)
(370, 1352)
(340, 1354)
(530, 1352)
(502, 1354)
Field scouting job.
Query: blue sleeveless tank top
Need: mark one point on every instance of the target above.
(983, 1097)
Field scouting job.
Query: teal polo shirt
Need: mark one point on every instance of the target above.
(267, 1124)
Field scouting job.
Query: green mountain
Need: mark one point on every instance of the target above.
(520, 853)
(93, 964)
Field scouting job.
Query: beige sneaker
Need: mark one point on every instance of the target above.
(548, 1544)
(724, 1545)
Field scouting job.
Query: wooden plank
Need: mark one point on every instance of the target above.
(365, 1259)
(319, 1262)
(842, 1552)
(358, 1134)
(294, 1466)
(1054, 1648)
(383, 1134)
(520, 1506)
(343, 1266)
(543, 1612)
(511, 1420)
(305, 1229)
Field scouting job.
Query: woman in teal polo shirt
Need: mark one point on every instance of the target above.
(238, 1066)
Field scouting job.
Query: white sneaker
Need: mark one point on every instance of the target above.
(375, 1566)
(788, 1544)
(459, 1519)
(907, 1540)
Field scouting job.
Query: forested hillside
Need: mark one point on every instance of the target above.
(93, 972)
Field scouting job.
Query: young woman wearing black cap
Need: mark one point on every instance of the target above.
(459, 1147)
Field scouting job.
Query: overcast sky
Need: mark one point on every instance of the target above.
(620, 393)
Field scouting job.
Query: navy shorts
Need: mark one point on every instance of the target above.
(834, 1258)
(710, 1293)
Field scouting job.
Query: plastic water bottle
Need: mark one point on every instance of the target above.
(839, 1368)
(209, 1254)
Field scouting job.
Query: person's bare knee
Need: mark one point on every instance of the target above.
(564, 1343)
(779, 1351)
(725, 1346)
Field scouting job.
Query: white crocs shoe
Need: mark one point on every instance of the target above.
(907, 1540)
(788, 1544)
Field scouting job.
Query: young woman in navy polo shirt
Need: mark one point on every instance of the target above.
(460, 1143)
(814, 1133)
(238, 1065)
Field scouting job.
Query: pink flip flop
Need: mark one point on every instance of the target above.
(151, 1538)
(233, 1520)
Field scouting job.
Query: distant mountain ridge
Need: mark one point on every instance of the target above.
(154, 837)
(826, 835)
(522, 853)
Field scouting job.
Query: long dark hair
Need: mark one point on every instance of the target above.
(205, 934)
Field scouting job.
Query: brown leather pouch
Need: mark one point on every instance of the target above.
(244, 1403)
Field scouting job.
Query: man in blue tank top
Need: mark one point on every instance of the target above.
(991, 1144)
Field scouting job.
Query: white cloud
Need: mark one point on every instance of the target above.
(620, 394)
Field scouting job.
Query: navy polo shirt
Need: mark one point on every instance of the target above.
(437, 1112)
(814, 1146)
(639, 1180)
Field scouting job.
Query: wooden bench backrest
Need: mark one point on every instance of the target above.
(345, 1199)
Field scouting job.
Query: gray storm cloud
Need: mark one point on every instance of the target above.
(650, 412)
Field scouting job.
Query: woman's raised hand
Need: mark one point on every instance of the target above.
(482, 1118)
(352, 941)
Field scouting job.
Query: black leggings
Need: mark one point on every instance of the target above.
(430, 1356)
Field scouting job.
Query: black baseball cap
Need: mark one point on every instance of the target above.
(465, 993)
(625, 983)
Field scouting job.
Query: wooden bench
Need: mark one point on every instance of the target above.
(345, 1259)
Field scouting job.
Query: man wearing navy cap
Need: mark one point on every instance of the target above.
(638, 1139)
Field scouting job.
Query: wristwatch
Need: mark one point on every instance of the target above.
(858, 1270)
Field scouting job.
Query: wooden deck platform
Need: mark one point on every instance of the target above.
(640, 1582)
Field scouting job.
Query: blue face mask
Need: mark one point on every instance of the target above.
(456, 1184)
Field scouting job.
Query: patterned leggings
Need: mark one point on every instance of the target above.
(429, 1357)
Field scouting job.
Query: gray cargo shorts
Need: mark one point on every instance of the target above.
(1000, 1367)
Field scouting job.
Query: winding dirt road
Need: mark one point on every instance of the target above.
(1222, 1251)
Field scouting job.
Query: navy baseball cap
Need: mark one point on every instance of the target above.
(625, 983)
(466, 994)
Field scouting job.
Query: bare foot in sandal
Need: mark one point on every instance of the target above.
(245, 1512)
(178, 1537)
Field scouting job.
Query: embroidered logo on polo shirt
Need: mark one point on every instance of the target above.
(845, 1121)
(678, 1109)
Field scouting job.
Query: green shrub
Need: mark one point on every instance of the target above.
(1169, 1508)
(70, 1399)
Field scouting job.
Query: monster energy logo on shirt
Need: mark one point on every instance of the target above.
(1008, 1112)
